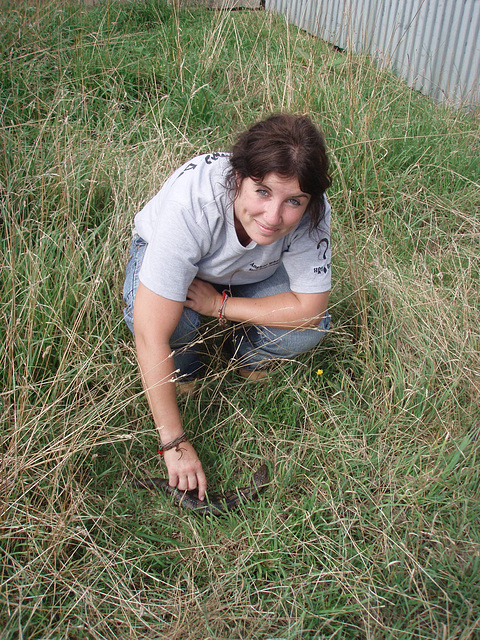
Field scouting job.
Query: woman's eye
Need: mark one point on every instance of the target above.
(262, 192)
(294, 202)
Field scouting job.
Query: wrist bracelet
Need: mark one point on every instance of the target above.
(173, 444)
(222, 321)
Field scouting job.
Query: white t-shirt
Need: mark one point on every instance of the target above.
(190, 232)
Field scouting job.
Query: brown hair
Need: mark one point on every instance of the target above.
(291, 146)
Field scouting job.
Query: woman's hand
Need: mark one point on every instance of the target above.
(203, 298)
(185, 469)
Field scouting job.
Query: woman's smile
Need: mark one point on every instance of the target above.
(266, 229)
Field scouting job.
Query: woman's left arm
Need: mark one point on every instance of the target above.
(287, 310)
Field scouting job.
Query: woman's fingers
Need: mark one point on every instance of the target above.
(202, 485)
(190, 482)
(203, 298)
(173, 479)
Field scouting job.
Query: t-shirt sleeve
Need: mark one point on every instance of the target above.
(177, 244)
(308, 256)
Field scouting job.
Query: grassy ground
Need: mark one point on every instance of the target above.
(369, 528)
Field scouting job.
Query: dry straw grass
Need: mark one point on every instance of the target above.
(370, 526)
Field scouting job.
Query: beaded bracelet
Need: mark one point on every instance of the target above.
(173, 443)
(222, 321)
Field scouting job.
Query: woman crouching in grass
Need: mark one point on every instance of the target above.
(242, 237)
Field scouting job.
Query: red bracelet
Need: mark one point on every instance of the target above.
(222, 321)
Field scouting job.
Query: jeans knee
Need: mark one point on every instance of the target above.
(187, 330)
(255, 346)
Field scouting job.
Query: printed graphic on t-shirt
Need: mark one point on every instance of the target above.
(208, 159)
(211, 157)
(257, 267)
(322, 247)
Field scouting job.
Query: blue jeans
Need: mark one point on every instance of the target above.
(252, 346)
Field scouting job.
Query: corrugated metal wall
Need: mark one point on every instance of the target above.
(433, 44)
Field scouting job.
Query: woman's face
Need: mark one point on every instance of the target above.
(266, 211)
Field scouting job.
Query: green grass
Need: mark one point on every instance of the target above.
(369, 528)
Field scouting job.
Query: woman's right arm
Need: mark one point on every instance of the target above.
(155, 319)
